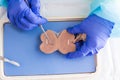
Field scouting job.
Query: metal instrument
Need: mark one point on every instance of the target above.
(9, 61)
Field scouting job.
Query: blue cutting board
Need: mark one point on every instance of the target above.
(23, 47)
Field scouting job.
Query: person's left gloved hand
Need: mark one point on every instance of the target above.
(98, 31)
(25, 16)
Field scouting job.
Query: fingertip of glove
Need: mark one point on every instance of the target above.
(69, 56)
(75, 54)
(69, 30)
(43, 20)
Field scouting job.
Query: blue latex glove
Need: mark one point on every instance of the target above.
(98, 31)
(24, 16)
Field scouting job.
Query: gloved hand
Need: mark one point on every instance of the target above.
(24, 16)
(98, 31)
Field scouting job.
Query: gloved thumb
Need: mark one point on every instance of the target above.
(35, 6)
(75, 29)
(43, 20)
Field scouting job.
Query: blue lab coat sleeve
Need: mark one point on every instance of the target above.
(3, 3)
(108, 9)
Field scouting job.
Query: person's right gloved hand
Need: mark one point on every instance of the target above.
(24, 16)
(98, 31)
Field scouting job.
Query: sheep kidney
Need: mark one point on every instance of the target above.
(46, 47)
(63, 43)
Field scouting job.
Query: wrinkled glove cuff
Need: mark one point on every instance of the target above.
(101, 20)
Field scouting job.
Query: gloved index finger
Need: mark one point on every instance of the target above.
(30, 16)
